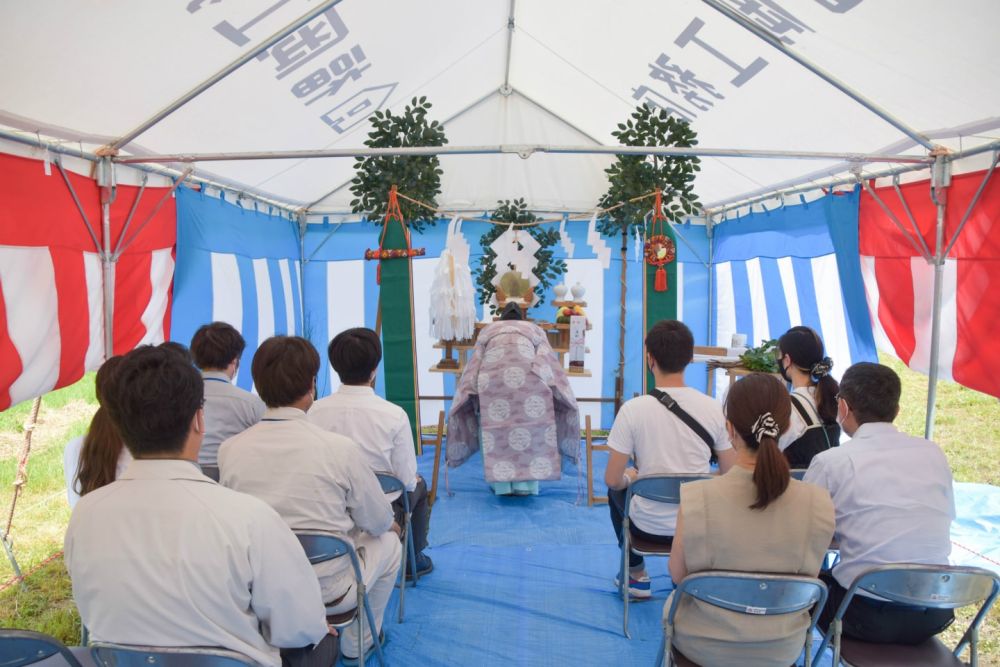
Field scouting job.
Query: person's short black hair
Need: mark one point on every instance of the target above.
(355, 354)
(215, 345)
(872, 392)
(284, 369)
(179, 348)
(154, 397)
(671, 345)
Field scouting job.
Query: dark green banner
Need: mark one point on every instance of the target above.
(396, 304)
(658, 305)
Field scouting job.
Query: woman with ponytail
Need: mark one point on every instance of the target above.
(97, 458)
(813, 425)
(755, 518)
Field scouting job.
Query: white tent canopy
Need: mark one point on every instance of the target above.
(553, 73)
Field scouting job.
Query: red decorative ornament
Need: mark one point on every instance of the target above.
(393, 212)
(659, 249)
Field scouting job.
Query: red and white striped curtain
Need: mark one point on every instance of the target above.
(51, 280)
(900, 284)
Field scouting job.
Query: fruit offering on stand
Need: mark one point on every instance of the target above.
(565, 312)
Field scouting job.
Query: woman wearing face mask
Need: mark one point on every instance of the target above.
(813, 425)
(752, 519)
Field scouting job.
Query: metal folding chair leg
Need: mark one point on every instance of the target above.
(371, 624)
(623, 577)
(402, 570)
(410, 548)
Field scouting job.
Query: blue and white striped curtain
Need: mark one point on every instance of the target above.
(235, 265)
(771, 271)
(792, 266)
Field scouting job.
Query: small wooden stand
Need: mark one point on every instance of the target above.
(434, 441)
(717, 359)
(449, 363)
(592, 446)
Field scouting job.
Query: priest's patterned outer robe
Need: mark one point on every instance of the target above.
(514, 402)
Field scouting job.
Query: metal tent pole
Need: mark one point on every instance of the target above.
(301, 219)
(167, 172)
(920, 247)
(763, 34)
(220, 75)
(975, 199)
(505, 89)
(710, 230)
(105, 180)
(810, 183)
(524, 151)
(941, 178)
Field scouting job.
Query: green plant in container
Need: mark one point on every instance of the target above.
(763, 359)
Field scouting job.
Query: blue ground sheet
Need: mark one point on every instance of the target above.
(529, 580)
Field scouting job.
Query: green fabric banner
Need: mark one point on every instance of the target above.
(658, 305)
(396, 307)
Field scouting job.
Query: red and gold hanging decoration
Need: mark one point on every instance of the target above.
(392, 212)
(394, 253)
(659, 248)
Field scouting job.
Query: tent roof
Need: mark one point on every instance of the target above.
(565, 74)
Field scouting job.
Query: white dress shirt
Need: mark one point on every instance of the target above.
(71, 467)
(380, 428)
(316, 481)
(165, 556)
(228, 410)
(661, 443)
(893, 498)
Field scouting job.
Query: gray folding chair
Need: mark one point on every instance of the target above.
(210, 471)
(122, 655)
(391, 484)
(665, 488)
(798, 473)
(24, 647)
(937, 586)
(755, 593)
(319, 548)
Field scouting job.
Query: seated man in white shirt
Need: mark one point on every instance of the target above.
(316, 480)
(381, 428)
(662, 440)
(216, 349)
(166, 557)
(892, 494)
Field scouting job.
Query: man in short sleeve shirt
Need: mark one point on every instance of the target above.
(379, 427)
(316, 480)
(216, 349)
(166, 557)
(894, 503)
(658, 441)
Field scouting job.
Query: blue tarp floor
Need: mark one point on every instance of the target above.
(529, 580)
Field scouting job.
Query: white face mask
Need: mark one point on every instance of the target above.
(841, 413)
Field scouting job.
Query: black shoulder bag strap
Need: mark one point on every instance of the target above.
(670, 404)
(797, 402)
(806, 417)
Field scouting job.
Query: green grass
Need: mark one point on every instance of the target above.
(12, 420)
(967, 427)
(45, 605)
(967, 424)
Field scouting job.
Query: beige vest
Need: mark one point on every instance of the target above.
(721, 532)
